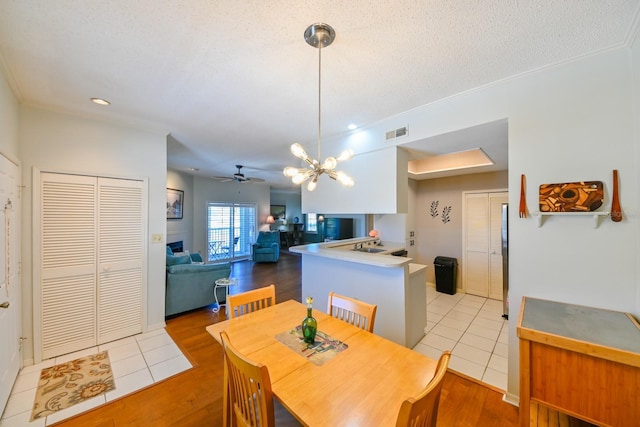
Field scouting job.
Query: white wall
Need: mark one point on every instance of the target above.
(437, 237)
(206, 190)
(635, 72)
(58, 142)
(292, 202)
(8, 120)
(572, 122)
(380, 185)
(182, 229)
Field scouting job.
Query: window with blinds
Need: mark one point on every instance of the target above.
(231, 230)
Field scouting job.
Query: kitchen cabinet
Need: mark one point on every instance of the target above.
(581, 361)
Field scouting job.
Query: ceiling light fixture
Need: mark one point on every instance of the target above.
(100, 101)
(319, 36)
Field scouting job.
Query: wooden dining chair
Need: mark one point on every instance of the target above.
(254, 300)
(422, 410)
(356, 312)
(248, 395)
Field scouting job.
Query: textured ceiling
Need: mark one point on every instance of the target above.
(233, 81)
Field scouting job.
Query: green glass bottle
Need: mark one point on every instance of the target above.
(309, 324)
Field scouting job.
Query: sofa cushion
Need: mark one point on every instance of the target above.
(196, 268)
(177, 260)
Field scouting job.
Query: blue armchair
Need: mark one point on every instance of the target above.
(267, 247)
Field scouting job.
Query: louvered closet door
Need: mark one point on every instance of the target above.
(67, 263)
(120, 258)
(91, 262)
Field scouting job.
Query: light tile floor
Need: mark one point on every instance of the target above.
(136, 362)
(473, 329)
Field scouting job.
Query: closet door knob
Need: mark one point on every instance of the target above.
(4, 304)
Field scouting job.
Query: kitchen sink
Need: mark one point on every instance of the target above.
(369, 250)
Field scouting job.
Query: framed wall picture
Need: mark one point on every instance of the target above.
(175, 201)
(279, 211)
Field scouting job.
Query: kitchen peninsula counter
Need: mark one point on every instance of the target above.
(395, 284)
(343, 250)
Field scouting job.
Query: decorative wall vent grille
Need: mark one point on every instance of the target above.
(396, 133)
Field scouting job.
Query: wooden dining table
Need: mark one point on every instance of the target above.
(363, 385)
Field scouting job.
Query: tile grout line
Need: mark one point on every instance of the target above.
(484, 366)
(97, 349)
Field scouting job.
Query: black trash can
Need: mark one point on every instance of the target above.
(446, 269)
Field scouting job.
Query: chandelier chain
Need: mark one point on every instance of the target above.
(319, 99)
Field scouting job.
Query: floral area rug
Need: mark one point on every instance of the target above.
(64, 385)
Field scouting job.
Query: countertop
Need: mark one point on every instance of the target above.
(343, 250)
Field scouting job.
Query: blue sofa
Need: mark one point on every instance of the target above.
(190, 286)
(267, 247)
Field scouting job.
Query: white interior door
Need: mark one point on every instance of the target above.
(65, 319)
(495, 244)
(476, 234)
(10, 289)
(120, 258)
(482, 262)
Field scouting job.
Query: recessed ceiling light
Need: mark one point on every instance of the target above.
(100, 101)
(352, 127)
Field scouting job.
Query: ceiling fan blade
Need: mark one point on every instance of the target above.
(222, 178)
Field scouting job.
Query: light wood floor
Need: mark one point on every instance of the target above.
(194, 398)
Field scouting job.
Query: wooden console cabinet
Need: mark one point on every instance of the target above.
(582, 361)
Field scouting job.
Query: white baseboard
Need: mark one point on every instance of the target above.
(512, 399)
(155, 326)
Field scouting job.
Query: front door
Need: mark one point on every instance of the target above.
(10, 291)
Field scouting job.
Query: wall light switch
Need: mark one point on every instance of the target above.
(156, 238)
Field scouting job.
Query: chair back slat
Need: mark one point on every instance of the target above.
(247, 302)
(353, 311)
(250, 393)
(422, 410)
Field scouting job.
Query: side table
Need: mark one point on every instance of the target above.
(224, 282)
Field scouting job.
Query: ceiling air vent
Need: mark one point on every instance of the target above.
(396, 133)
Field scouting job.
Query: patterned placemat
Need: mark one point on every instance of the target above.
(322, 350)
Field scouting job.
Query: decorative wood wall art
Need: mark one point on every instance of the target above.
(583, 196)
(522, 209)
(616, 211)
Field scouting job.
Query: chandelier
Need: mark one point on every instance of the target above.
(318, 36)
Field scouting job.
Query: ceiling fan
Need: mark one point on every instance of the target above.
(238, 177)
